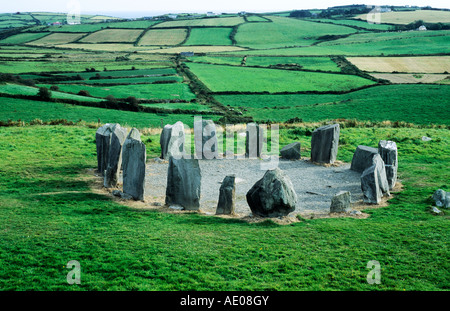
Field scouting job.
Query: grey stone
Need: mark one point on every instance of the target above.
(341, 202)
(435, 210)
(273, 195)
(122, 195)
(388, 152)
(325, 143)
(134, 158)
(227, 195)
(425, 138)
(172, 141)
(103, 139)
(118, 136)
(442, 198)
(205, 139)
(374, 182)
(291, 151)
(363, 158)
(183, 183)
(254, 140)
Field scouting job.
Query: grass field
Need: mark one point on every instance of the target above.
(357, 23)
(50, 216)
(209, 36)
(424, 64)
(58, 38)
(213, 22)
(163, 37)
(420, 104)
(23, 38)
(285, 32)
(196, 49)
(221, 78)
(429, 16)
(113, 35)
(144, 91)
(411, 78)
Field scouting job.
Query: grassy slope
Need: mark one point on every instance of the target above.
(226, 78)
(209, 36)
(49, 217)
(421, 104)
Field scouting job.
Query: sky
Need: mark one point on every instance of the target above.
(189, 6)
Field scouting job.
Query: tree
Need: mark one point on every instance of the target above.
(44, 93)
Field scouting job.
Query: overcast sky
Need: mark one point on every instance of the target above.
(179, 6)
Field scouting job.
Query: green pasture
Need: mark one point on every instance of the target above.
(420, 104)
(209, 36)
(220, 78)
(23, 37)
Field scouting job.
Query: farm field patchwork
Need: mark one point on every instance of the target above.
(420, 64)
(412, 78)
(220, 78)
(196, 49)
(57, 38)
(162, 37)
(23, 38)
(212, 22)
(113, 35)
(352, 22)
(429, 16)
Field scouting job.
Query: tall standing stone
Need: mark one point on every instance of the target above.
(118, 136)
(325, 143)
(172, 140)
(183, 183)
(273, 195)
(103, 139)
(227, 195)
(388, 152)
(254, 140)
(205, 138)
(374, 183)
(363, 158)
(134, 157)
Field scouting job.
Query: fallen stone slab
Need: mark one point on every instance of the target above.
(325, 143)
(341, 202)
(291, 151)
(183, 183)
(134, 158)
(273, 195)
(172, 141)
(363, 158)
(227, 196)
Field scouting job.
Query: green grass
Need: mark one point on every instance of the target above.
(123, 73)
(209, 36)
(212, 22)
(284, 32)
(130, 80)
(15, 89)
(183, 106)
(353, 22)
(23, 38)
(145, 91)
(420, 104)
(50, 216)
(28, 110)
(221, 78)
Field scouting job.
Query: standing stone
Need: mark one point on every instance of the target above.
(291, 151)
(340, 203)
(388, 152)
(205, 139)
(112, 171)
(363, 158)
(442, 198)
(183, 183)
(227, 194)
(374, 182)
(273, 195)
(325, 143)
(254, 140)
(134, 157)
(103, 139)
(172, 140)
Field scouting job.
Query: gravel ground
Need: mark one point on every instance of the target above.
(315, 185)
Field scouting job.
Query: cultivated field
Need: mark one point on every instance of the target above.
(217, 22)
(57, 39)
(209, 36)
(423, 64)
(412, 78)
(113, 35)
(163, 37)
(406, 17)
